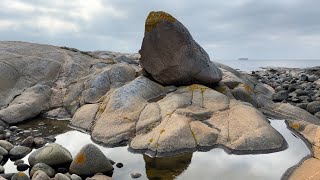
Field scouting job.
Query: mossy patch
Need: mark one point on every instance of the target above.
(81, 158)
(155, 17)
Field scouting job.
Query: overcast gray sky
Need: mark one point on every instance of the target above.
(257, 29)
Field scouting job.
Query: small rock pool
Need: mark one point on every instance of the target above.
(214, 164)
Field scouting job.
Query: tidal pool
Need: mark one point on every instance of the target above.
(214, 164)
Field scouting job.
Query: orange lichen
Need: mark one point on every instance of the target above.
(81, 158)
(155, 17)
(21, 174)
(295, 126)
(248, 88)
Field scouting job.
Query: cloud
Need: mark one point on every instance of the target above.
(246, 28)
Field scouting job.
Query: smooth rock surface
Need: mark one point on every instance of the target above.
(52, 155)
(172, 56)
(40, 175)
(89, 161)
(44, 168)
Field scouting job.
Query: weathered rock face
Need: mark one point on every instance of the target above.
(172, 56)
(160, 122)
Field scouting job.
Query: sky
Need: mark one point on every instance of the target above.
(254, 29)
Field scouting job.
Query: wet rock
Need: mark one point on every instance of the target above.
(27, 142)
(119, 165)
(22, 167)
(313, 107)
(20, 176)
(40, 175)
(39, 141)
(43, 167)
(303, 77)
(52, 155)
(185, 62)
(135, 175)
(89, 161)
(60, 176)
(125, 59)
(6, 145)
(19, 152)
(280, 96)
(75, 177)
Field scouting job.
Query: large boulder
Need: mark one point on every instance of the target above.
(84, 117)
(89, 161)
(172, 56)
(53, 155)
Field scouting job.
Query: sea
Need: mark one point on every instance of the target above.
(253, 65)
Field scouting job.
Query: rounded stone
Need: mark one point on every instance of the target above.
(313, 107)
(89, 161)
(3, 152)
(28, 142)
(20, 176)
(60, 176)
(43, 167)
(6, 145)
(119, 165)
(75, 177)
(19, 152)
(22, 167)
(39, 141)
(53, 155)
(40, 175)
(19, 161)
(135, 175)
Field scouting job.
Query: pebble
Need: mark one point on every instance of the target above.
(22, 167)
(135, 175)
(19, 161)
(119, 165)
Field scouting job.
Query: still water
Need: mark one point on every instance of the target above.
(214, 164)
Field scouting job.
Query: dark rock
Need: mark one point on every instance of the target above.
(19, 152)
(135, 175)
(317, 114)
(302, 105)
(280, 96)
(1, 169)
(119, 165)
(7, 176)
(3, 152)
(300, 92)
(1, 129)
(89, 161)
(22, 167)
(12, 128)
(313, 107)
(279, 88)
(303, 77)
(172, 56)
(45, 168)
(28, 142)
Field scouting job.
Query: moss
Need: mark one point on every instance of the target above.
(155, 17)
(80, 158)
(193, 135)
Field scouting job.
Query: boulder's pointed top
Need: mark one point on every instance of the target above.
(155, 17)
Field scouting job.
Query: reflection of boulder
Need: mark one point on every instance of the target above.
(167, 167)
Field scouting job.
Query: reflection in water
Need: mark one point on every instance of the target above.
(166, 167)
(214, 164)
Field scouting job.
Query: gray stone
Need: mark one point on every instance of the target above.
(39, 141)
(19, 152)
(20, 176)
(317, 114)
(43, 167)
(244, 92)
(135, 175)
(40, 175)
(312, 78)
(75, 177)
(3, 152)
(60, 176)
(89, 161)
(99, 177)
(302, 105)
(22, 167)
(280, 96)
(300, 92)
(172, 56)
(52, 155)
(19, 161)
(59, 113)
(6, 145)
(28, 142)
(303, 77)
(125, 59)
(84, 117)
(313, 107)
